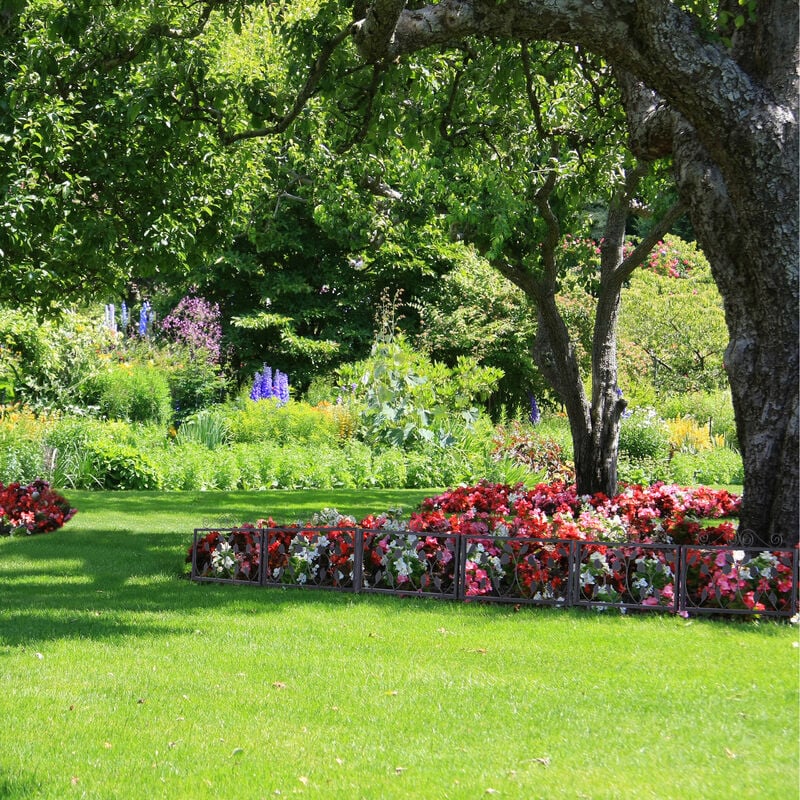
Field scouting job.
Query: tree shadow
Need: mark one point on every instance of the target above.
(15, 787)
(99, 584)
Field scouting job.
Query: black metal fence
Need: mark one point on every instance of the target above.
(682, 579)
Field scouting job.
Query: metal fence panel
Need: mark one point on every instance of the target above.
(685, 579)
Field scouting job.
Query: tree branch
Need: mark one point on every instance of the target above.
(642, 250)
(651, 123)
(373, 34)
(312, 81)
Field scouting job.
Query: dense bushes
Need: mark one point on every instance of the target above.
(115, 408)
(132, 392)
(259, 445)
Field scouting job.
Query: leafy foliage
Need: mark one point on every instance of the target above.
(673, 322)
(134, 393)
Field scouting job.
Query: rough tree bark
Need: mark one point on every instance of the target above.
(733, 133)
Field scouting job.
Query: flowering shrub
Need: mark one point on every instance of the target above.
(539, 453)
(509, 542)
(739, 579)
(30, 509)
(195, 323)
(236, 555)
(675, 258)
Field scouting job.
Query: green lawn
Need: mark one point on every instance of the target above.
(121, 679)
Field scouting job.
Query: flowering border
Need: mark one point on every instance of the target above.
(32, 508)
(682, 579)
(646, 548)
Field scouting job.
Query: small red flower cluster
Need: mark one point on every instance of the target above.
(236, 555)
(35, 508)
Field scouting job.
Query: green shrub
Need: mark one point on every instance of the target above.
(389, 470)
(434, 466)
(406, 399)
(20, 461)
(224, 469)
(721, 465)
(194, 384)
(511, 472)
(186, 466)
(361, 465)
(206, 427)
(248, 463)
(643, 435)
(23, 444)
(120, 466)
(134, 393)
(645, 470)
(46, 364)
(295, 422)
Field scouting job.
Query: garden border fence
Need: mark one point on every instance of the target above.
(683, 579)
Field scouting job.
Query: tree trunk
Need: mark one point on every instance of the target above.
(754, 260)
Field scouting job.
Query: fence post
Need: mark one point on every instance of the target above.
(460, 565)
(680, 580)
(194, 556)
(358, 558)
(573, 565)
(263, 561)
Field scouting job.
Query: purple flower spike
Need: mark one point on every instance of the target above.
(535, 415)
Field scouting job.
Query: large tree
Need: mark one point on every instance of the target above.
(723, 102)
(515, 157)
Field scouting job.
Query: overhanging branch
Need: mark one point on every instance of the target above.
(309, 87)
(642, 250)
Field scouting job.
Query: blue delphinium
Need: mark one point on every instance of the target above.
(266, 383)
(266, 387)
(145, 318)
(535, 415)
(125, 317)
(281, 387)
(255, 391)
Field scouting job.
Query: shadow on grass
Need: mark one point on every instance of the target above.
(14, 788)
(118, 569)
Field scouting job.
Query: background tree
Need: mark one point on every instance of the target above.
(673, 323)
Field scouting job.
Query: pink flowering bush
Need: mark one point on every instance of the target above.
(195, 323)
(30, 509)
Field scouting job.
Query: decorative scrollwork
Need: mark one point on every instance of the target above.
(745, 538)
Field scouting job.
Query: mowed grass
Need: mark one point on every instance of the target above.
(121, 679)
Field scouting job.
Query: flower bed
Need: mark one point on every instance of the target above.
(645, 549)
(30, 509)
